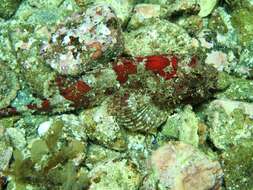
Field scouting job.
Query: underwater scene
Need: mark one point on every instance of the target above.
(126, 94)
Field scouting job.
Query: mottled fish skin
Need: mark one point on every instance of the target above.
(136, 112)
(160, 78)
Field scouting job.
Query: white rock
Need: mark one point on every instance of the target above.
(218, 59)
(44, 127)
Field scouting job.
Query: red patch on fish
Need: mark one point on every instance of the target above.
(158, 64)
(124, 69)
(73, 91)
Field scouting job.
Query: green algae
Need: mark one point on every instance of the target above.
(157, 37)
(123, 176)
(51, 163)
(238, 167)
(217, 23)
(8, 8)
(45, 12)
(182, 126)
(38, 149)
(122, 8)
(239, 89)
(9, 85)
(206, 7)
(242, 21)
(244, 68)
(228, 129)
(144, 13)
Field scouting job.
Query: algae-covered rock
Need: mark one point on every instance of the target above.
(178, 166)
(206, 7)
(217, 22)
(183, 126)
(143, 13)
(220, 23)
(9, 85)
(238, 89)
(236, 4)
(102, 128)
(45, 12)
(40, 79)
(180, 6)
(237, 166)
(242, 21)
(7, 53)
(44, 3)
(31, 122)
(8, 8)
(245, 65)
(230, 105)
(5, 156)
(27, 41)
(122, 8)
(139, 148)
(202, 7)
(192, 24)
(97, 154)
(16, 138)
(158, 37)
(115, 174)
(228, 123)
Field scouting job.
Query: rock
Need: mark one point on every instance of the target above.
(228, 122)
(139, 148)
(9, 85)
(158, 37)
(116, 175)
(102, 128)
(45, 12)
(16, 138)
(179, 166)
(173, 7)
(242, 22)
(206, 7)
(84, 42)
(143, 13)
(122, 8)
(8, 8)
(244, 67)
(183, 126)
(238, 89)
(230, 105)
(97, 154)
(237, 166)
(5, 157)
(193, 24)
(218, 59)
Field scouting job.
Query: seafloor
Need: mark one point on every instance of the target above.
(126, 95)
